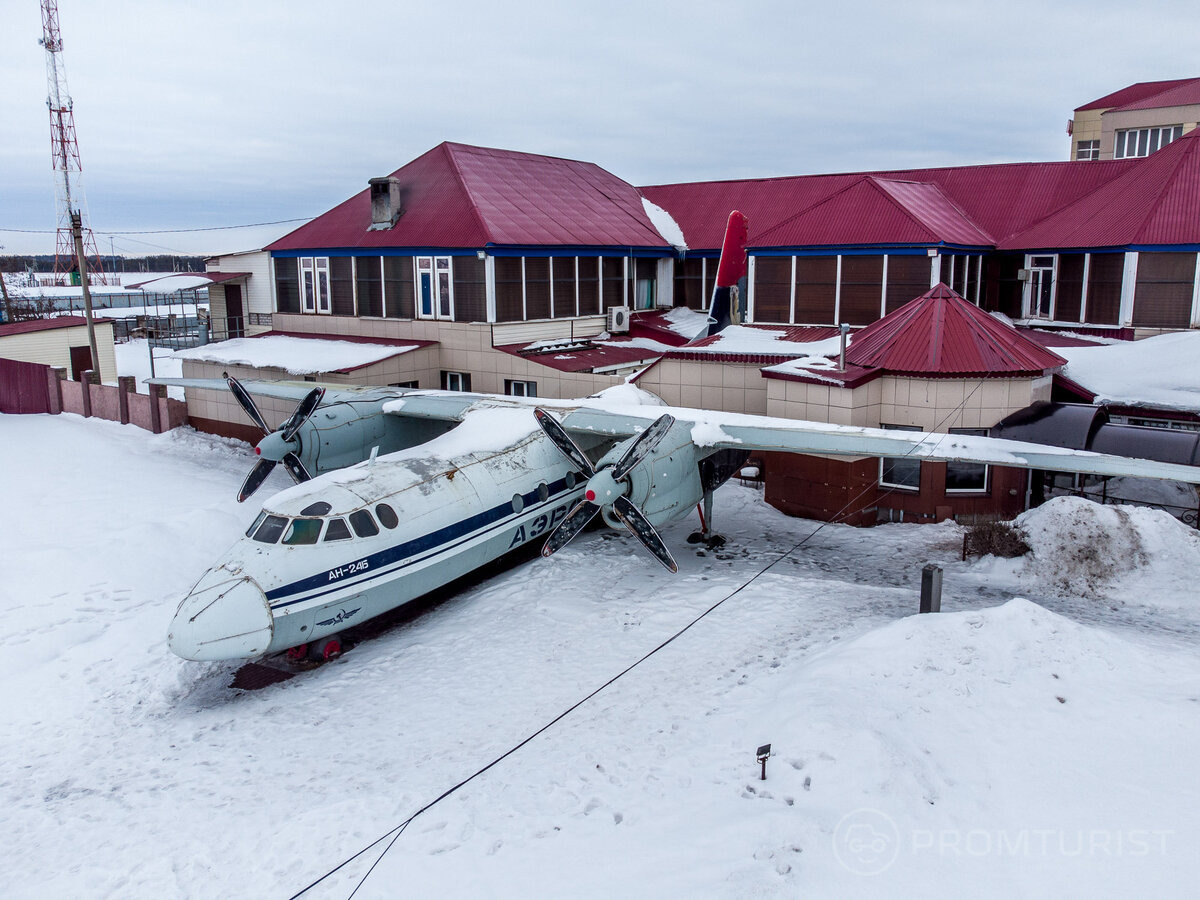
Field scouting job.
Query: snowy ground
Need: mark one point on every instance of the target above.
(1006, 748)
(133, 358)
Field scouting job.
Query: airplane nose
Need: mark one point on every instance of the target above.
(224, 617)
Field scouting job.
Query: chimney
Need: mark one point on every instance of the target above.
(386, 205)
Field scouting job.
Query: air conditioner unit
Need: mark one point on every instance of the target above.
(1022, 274)
(618, 320)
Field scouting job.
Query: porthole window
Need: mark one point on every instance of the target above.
(518, 503)
(387, 516)
(270, 529)
(543, 492)
(319, 508)
(303, 531)
(337, 530)
(570, 480)
(363, 524)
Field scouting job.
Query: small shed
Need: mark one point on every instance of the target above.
(61, 342)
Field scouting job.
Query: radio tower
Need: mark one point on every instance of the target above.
(64, 152)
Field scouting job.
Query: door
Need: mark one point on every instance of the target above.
(81, 361)
(235, 323)
(1041, 287)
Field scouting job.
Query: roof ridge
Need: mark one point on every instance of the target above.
(950, 201)
(462, 180)
(876, 183)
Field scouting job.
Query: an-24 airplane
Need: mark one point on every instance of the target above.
(414, 489)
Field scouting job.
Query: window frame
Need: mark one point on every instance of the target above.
(462, 378)
(440, 270)
(907, 460)
(514, 387)
(987, 470)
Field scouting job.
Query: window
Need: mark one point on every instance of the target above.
(387, 516)
(314, 285)
(520, 388)
(1087, 150)
(900, 471)
(303, 531)
(405, 384)
(1144, 141)
(966, 476)
(435, 293)
(456, 381)
(337, 530)
(270, 529)
(363, 524)
(319, 508)
(1041, 286)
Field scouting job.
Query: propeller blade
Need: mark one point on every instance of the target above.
(645, 442)
(563, 441)
(574, 523)
(644, 532)
(246, 402)
(304, 409)
(256, 477)
(296, 468)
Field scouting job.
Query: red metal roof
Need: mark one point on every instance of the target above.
(942, 335)
(1146, 95)
(1155, 201)
(875, 210)
(31, 325)
(458, 196)
(998, 200)
(584, 355)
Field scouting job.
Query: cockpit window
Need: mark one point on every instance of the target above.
(270, 529)
(256, 523)
(337, 530)
(387, 516)
(319, 508)
(364, 525)
(303, 531)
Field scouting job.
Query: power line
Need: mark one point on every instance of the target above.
(166, 230)
(395, 832)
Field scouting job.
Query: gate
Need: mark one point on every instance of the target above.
(24, 387)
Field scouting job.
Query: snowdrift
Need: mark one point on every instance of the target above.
(1080, 548)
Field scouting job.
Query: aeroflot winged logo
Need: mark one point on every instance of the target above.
(342, 616)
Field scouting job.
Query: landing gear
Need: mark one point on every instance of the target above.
(317, 651)
(704, 535)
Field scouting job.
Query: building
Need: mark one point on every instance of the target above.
(516, 273)
(61, 342)
(1135, 121)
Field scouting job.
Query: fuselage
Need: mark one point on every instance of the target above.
(353, 544)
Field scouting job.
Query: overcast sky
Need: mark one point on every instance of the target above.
(226, 113)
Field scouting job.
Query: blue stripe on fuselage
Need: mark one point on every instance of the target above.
(438, 541)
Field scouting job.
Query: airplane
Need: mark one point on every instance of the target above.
(401, 491)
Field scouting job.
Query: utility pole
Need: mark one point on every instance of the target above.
(81, 259)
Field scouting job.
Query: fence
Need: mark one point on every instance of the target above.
(34, 388)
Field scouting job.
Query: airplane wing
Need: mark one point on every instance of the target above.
(285, 390)
(747, 432)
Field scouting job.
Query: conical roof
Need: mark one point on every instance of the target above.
(941, 335)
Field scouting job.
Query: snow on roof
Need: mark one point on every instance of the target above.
(761, 341)
(171, 283)
(1162, 371)
(665, 224)
(295, 355)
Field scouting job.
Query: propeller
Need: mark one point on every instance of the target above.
(607, 488)
(278, 446)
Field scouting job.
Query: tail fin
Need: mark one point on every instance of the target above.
(724, 309)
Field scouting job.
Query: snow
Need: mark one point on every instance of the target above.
(686, 322)
(133, 358)
(744, 339)
(296, 356)
(1115, 554)
(1007, 747)
(169, 284)
(664, 223)
(1161, 371)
